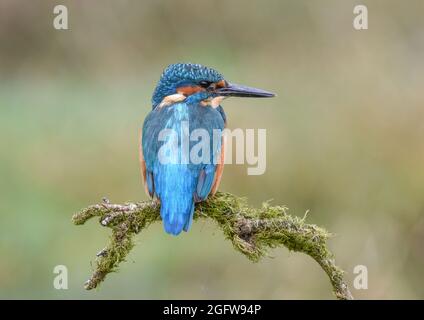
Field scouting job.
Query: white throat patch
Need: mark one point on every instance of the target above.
(171, 99)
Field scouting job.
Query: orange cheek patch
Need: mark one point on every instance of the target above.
(189, 90)
(221, 84)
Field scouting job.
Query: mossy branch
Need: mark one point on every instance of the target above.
(252, 232)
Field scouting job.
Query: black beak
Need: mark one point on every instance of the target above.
(236, 90)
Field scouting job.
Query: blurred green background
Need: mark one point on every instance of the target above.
(344, 139)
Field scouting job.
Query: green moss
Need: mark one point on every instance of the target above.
(252, 232)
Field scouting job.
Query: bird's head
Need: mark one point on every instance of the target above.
(195, 83)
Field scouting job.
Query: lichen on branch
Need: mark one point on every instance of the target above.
(252, 231)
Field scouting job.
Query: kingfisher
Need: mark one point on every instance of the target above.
(186, 108)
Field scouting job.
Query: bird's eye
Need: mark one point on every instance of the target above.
(204, 83)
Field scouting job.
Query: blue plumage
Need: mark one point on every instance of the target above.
(179, 75)
(186, 99)
(178, 185)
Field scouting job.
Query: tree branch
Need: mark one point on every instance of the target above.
(251, 231)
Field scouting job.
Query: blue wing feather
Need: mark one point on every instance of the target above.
(179, 185)
(205, 182)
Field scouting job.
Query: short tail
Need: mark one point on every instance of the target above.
(177, 213)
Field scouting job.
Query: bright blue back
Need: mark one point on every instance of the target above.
(178, 185)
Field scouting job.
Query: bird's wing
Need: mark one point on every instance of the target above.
(147, 175)
(179, 185)
(147, 151)
(210, 176)
(220, 165)
(219, 168)
(205, 182)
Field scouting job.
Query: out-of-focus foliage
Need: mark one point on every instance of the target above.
(344, 139)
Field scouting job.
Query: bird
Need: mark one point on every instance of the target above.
(187, 98)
